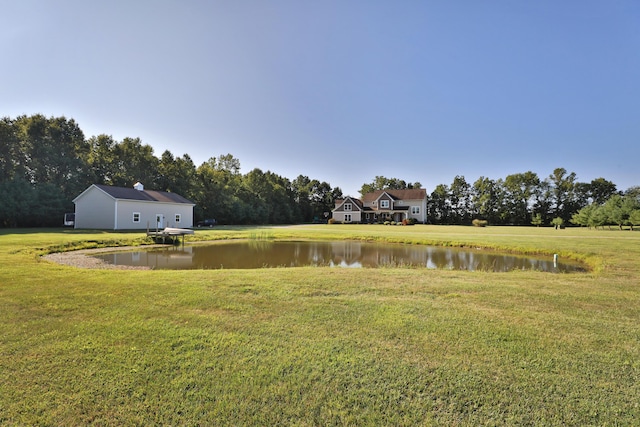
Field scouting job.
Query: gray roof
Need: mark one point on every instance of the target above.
(144, 195)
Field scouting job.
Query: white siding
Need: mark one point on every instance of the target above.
(97, 209)
(148, 212)
(94, 209)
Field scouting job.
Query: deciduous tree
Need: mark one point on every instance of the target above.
(460, 196)
(563, 185)
(384, 183)
(601, 190)
(486, 198)
(134, 162)
(439, 205)
(520, 189)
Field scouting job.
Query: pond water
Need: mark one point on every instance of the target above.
(253, 254)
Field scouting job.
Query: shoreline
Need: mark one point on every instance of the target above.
(82, 258)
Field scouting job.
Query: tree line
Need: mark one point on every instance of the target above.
(46, 162)
(526, 199)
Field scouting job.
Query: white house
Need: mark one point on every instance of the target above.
(383, 205)
(120, 208)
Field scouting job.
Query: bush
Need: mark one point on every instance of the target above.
(479, 222)
(557, 222)
(331, 221)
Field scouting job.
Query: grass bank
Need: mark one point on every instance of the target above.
(322, 346)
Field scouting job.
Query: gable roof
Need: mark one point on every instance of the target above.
(410, 194)
(340, 203)
(125, 193)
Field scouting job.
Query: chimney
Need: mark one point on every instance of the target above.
(138, 186)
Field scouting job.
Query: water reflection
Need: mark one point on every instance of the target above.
(352, 254)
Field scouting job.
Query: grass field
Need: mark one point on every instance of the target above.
(322, 346)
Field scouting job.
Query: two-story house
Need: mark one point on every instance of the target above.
(383, 205)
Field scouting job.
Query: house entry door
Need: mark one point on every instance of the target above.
(159, 221)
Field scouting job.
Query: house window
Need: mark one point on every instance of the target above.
(347, 218)
(384, 204)
(347, 206)
(136, 217)
(415, 210)
(178, 217)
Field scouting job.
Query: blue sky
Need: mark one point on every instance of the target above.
(342, 91)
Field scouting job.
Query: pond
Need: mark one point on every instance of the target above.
(251, 254)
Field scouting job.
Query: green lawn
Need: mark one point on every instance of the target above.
(322, 346)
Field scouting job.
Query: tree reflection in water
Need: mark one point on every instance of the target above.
(252, 254)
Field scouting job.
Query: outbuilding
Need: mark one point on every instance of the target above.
(121, 208)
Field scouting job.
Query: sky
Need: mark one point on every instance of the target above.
(341, 90)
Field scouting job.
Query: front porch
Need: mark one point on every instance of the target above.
(373, 217)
